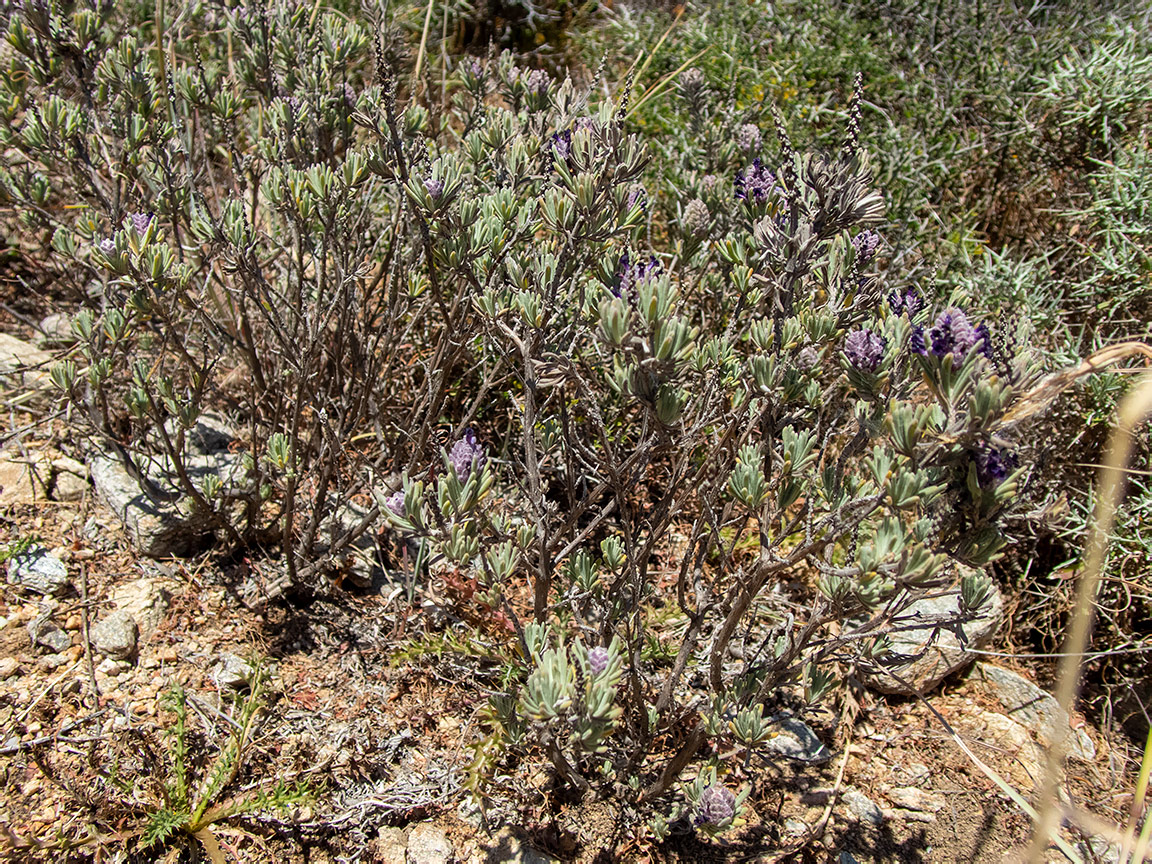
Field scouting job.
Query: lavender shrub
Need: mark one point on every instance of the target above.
(647, 434)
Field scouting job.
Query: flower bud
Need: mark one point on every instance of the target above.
(864, 350)
(598, 660)
(717, 804)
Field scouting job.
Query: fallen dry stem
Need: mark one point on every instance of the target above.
(1132, 412)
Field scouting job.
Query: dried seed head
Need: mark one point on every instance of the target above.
(748, 138)
(696, 218)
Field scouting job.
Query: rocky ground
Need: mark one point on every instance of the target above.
(93, 631)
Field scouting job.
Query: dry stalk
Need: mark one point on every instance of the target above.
(1133, 411)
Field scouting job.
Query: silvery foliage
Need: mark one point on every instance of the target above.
(670, 429)
(712, 389)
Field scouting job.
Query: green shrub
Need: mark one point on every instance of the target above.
(696, 401)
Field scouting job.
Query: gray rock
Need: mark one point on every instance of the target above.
(1033, 708)
(69, 479)
(390, 846)
(38, 571)
(428, 844)
(47, 634)
(23, 481)
(795, 827)
(146, 600)
(359, 557)
(470, 813)
(52, 662)
(115, 636)
(911, 773)
(233, 673)
(914, 798)
(1099, 849)
(56, 332)
(862, 808)
(506, 848)
(25, 367)
(112, 668)
(159, 527)
(925, 655)
(795, 739)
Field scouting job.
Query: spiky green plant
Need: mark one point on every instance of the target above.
(190, 809)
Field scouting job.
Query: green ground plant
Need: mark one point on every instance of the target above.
(190, 807)
(15, 548)
(148, 804)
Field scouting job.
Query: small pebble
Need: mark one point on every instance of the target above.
(862, 808)
(109, 667)
(50, 662)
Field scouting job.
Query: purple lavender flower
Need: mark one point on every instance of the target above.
(907, 303)
(748, 138)
(467, 453)
(865, 243)
(864, 350)
(108, 247)
(952, 334)
(435, 188)
(629, 275)
(696, 218)
(984, 340)
(597, 660)
(395, 502)
(141, 221)
(916, 341)
(993, 466)
(717, 803)
(755, 183)
(561, 144)
(638, 195)
(537, 81)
